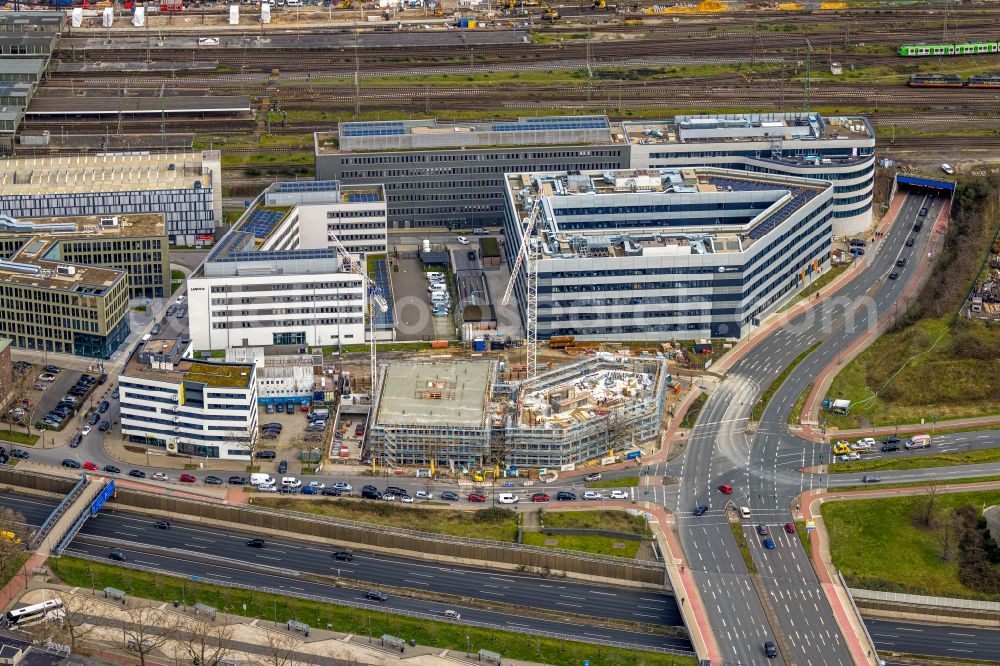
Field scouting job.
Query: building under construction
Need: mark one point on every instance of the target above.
(461, 416)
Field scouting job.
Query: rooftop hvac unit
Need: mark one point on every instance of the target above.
(234, 14)
(76, 18)
(108, 17)
(109, 221)
(62, 269)
(139, 17)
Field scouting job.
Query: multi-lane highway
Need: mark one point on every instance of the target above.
(764, 468)
(935, 640)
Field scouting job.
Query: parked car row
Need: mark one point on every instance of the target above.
(440, 298)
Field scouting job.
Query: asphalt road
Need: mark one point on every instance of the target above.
(935, 640)
(765, 468)
(926, 474)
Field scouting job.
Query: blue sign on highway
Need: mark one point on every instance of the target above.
(632, 455)
(99, 501)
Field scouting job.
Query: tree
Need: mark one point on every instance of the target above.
(145, 630)
(928, 503)
(14, 537)
(206, 642)
(78, 618)
(279, 648)
(947, 542)
(616, 430)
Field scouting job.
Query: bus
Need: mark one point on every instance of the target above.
(35, 614)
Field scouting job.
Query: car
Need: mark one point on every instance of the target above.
(462, 240)
(20, 453)
(726, 489)
(923, 212)
(271, 489)
(318, 485)
(104, 427)
(267, 455)
(918, 226)
(256, 543)
(137, 473)
(540, 497)
(213, 481)
(288, 490)
(85, 431)
(892, 439)
(871, 478)
(156, 329)
(592, 495)
(564, 496)
(269, 409)
(477, 497)
(700, 510)
(424, 495)
(406, 499)
(790, 528)
(508, 498)
(890, 448)
(237, 480)
(619, 494)
(47, 377)
(160, 476)
(280, 407)
(854, 455)
(345, 487)
(470, 255)
(396, 490)
(103, 407)
(93, 420)
(54, 369)
(162, 524)
(90, 466)
(769, 543)
(449, 496)
(171, 310)
(948, 169)
(102, 379)
(309, 490)
(111, 469)
(595, 476)
(282, 467)
(909, 242)
(901, 262)
(343, 556)
(762, 530)
(893, 275)
(770, 649)
(180, 299)
(72, 464)
(187, 478)
(388, 497)
(331, 492)
(273, 424)
(376, 595)
(117, 556)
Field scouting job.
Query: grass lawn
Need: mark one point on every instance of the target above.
(803, 533)
(280, 608)
(914, 484)
(741, 541)
(618, 521)
(12, 568)
(758, 409)
(441, 521)
(624, 482)
(176, 280)
(800, 403)
(587, 543)
(691, 415)
(918, 462)
(877, 545)
(15, 437)
(828, 276)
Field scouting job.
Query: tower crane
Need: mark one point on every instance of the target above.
(375, 299)
(527, 255)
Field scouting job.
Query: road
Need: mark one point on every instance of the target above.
(185, 547)
(765, 469)
(935, 640)
(925, 474)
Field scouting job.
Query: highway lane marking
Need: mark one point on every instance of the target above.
(559, 603)
(952, 633)
(202, 539)
(499, 594)
(656, 609)
(566, 596)
(957, 650)
(965, 642)
(127, 534)
(659, 601)
(905, 629)
(194, 545)
(607, 594)
(643, 615)
(265, 557)
(423, 575)
(415, 582)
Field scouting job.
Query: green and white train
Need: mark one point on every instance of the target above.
(965, 48)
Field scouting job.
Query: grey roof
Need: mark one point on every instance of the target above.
(42, 106)
(438, 394)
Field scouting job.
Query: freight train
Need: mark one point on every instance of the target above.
(965, 48)
(954, 81)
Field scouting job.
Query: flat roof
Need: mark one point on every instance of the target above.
(216, 374)
(453, 393)
(111, 172)
(24, 65)
(387, 135)
(9, 113)
(28, 269)
(308, 192)
(49, 20)
(25, 38)
(132, 105)
(15, 89)
(742, 127)
(85, 226)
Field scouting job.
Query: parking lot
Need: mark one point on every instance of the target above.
(291, 441)
(413, 306)
(57, 390)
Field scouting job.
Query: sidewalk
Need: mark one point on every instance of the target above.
(973, 422)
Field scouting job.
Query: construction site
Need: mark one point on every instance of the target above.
(459, 416)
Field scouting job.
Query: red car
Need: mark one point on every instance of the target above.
(476, 497)
(539, 497)
(790, 528)
(726, 489)
(91, 466)
(188, 478)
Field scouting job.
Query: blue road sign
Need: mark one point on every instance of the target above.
(632, 455)
(99, 501)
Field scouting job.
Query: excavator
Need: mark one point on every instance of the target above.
(549, 13)
(345, 4)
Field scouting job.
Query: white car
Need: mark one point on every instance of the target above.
(619, 494)
(388, 497)
(861, 445)
(592, 495)
(85, 431)
(948, 169)
(318, 485)
(507, 498)
(47, 377)
(343, 487)
(406, 499)
(290, 482)
(462, 240)
(267, 489)
(160, 476)
(423, 494)
(850, 456)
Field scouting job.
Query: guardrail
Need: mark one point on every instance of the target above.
(857, 614)
(394, 611)
(77, 524)
(913, 600)
(57, 512)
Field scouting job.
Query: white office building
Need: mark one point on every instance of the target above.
(836, 149)
(197, 408)
(281, 378)
(665, 254)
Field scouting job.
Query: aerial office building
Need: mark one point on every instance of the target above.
(667, 253)
(438, 174)
(185, 187)
(199, 408)
(836, 149)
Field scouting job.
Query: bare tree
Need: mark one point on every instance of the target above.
(616, 431)
(947, 541)
(78, 619)
(928, 504)
(15, 533)
(145, 629)
(279, 648)
(207, 642)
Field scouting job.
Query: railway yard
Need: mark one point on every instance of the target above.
(258, 92)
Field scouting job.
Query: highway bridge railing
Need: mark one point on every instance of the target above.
(395, 611)
(48, 483)
(401, 539)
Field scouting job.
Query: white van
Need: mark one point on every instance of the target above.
(744, 512)
(294, 3)
(507, 498)
(261, 479)
(290, 482)
(918, 442)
